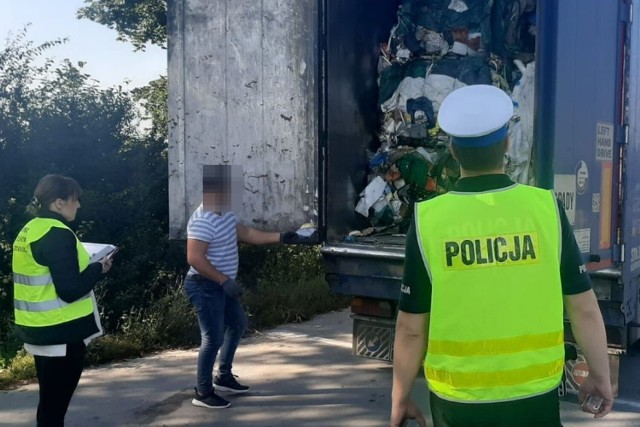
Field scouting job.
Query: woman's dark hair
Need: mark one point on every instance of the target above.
(52, 187)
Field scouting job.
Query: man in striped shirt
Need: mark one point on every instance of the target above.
(212, 253)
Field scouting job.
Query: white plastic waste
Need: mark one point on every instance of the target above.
(435, 87)
(371, 194)
(521, 128)
(458, 5)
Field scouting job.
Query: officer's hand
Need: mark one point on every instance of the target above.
(293, 238)
(231, 288)
(596, 389)
(401, 413)
(106, 264)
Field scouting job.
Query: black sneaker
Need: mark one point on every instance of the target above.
(229, 384)
(211, 400)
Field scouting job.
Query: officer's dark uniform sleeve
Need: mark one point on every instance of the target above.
(573, 272)
(415, 294)
(57, 250)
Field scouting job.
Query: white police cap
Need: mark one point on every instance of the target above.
(476, 116)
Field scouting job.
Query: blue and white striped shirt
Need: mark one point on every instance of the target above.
(220, 232)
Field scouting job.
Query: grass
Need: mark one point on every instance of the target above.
(21, 368)
(291, 302)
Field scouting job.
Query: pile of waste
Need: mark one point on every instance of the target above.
(436, 47)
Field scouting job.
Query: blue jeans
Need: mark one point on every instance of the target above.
(222, 323)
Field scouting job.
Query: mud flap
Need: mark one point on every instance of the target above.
(373, 337)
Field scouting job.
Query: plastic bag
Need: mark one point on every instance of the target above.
(520, 151)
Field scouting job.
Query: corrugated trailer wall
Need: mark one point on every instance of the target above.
(631, 181)
(243, 91)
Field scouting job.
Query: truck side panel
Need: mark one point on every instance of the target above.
(243, 91)
(587, 93)
(588, 118)
(631, 212)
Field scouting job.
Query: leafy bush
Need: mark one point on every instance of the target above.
(285, 284)
(21, 368)
(169, 322)
(55, 119)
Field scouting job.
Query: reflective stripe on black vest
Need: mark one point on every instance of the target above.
(38, 307)
(22, 279)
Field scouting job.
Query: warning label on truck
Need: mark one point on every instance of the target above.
(604, 142)
(582, 177)
(583, 238)
(595, 203)
(565, 188)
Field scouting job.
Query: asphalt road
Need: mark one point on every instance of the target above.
(300, 375)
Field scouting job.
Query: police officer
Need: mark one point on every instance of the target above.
(55, 309)
(488, 270)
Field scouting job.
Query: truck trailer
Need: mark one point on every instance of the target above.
(289, 91)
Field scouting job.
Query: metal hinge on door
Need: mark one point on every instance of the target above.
(618, 253)
(626, 11)
(622, 135)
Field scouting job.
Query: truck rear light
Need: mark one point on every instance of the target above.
(372, 307)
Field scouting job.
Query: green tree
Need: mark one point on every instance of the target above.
(153, 99)
(146, 200)
(19, 73)
(55, 118)
(137, 21)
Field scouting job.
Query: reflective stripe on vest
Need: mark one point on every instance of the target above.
(32, 280)
(38, 307)
(36, 303)
(496, 325)
(462, 380)
(497, 346)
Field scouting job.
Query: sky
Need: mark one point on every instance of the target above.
(109, 61)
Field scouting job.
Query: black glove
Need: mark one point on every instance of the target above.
(293, 238)
(231, 288)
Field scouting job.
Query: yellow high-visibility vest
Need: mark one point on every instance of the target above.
(36, 303)
(496, 321)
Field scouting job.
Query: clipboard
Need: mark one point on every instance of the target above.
(97, 251)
